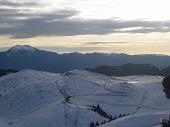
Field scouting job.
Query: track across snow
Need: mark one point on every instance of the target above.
(39, 99)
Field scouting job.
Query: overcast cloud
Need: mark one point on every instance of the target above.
(101, 43)
(21, 20)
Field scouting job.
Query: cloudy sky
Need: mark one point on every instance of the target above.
(118, 26)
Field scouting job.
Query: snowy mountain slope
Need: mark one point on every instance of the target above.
(153, 106)
(149, 120)
(40, 99)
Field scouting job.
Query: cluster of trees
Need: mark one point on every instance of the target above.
(164, 122)
(102, 113)
(95, 124)
(92, 124)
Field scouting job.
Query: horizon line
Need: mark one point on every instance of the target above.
(46, 48)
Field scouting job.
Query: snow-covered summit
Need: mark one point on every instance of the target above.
(19, 48)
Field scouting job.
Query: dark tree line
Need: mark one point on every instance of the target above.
(102, 113)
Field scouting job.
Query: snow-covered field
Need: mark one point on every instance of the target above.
(40, 99)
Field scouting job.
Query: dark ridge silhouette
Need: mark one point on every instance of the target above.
(26, 57)
(165, 71)
(127, 69)
(5, 72)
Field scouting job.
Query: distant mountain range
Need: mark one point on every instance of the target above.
(26, 57)
(130, 69)
(127, 69)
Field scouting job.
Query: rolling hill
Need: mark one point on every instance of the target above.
(39, 99)
(127, 69)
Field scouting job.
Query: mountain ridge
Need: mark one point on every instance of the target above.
(50, 61)
(127, 70)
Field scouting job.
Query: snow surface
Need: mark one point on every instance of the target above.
(40, 99)
(146, 120)
(18, 48)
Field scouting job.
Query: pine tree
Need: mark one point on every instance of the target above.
(92, 124)
(124, 115)
(111, 117)
(97, 124)
(98, 107)
(115, 117)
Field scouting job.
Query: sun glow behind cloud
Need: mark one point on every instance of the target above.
(121, 9)
(128, 26)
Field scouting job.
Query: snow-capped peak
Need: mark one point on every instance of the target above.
(18, 48)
